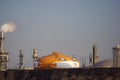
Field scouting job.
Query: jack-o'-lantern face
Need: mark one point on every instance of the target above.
(57, 60)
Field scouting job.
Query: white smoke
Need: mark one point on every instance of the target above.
(8, 27)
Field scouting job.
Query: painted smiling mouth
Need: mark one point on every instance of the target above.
(66, 64)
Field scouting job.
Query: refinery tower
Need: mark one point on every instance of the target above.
(3, 54)
(116, 56)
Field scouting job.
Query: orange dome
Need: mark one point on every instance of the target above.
(52, 60)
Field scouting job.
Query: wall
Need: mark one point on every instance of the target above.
(63, 74)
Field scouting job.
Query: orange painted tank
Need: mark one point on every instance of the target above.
(57, 60)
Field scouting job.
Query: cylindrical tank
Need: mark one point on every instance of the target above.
(57, 60)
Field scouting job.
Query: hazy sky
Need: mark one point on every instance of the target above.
(68, 26)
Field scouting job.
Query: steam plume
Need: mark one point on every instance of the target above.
(8, 27)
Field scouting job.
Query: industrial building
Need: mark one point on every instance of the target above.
(58, 59)
(115, 62)
(107, 63)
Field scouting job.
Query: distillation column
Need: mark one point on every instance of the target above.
(3, 54)
(21, 60)
(34, 57)
(95, 57)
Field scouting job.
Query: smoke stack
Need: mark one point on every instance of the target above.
(34, 55)
(2, 42)
(7, 27)
(3, 54)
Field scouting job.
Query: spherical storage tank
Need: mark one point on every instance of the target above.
(57, 60)
(104, 64)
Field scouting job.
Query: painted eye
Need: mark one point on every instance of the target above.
(62, 59)
(74, 59)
